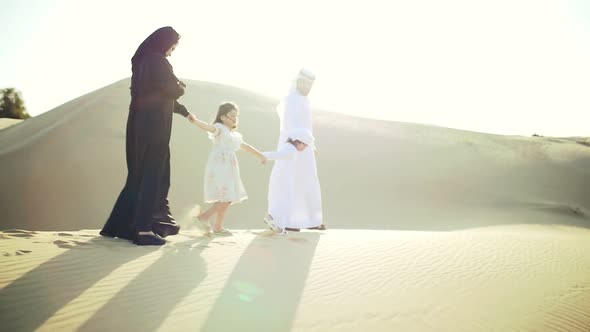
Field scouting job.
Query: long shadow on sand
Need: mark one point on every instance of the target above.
(265, 287)
(30, 300)
(145, 303)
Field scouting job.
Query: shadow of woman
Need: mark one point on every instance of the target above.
(30, 300)
(265, 287)
(145, 303)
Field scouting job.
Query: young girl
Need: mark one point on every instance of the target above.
(223, 185)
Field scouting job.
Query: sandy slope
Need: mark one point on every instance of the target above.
(62, 170)
(5, 122)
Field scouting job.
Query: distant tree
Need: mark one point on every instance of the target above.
(12, 105)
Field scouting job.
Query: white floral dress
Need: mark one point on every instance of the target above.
(222, 172)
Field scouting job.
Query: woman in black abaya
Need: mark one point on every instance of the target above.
(141, 213)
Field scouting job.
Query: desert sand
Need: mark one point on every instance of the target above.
(430, 229)
(6, 122)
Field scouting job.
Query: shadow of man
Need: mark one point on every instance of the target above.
(265, 287)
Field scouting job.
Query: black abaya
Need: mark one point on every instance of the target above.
(143, 199)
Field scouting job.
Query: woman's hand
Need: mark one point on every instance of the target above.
(191, 118)
(263, 160)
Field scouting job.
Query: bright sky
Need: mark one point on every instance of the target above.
(499, 66)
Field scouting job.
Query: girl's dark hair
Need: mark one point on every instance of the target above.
(224, 109)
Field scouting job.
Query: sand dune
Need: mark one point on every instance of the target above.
(6, 122)
(431, 229)
(65, 168)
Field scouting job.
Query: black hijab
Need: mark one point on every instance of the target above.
(159, 42)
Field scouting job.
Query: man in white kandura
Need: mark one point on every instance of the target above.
(303, 207)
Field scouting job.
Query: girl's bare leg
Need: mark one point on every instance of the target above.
(210, 212)
(220, 216)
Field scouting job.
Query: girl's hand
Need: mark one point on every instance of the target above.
(191, 118)
(263, 160)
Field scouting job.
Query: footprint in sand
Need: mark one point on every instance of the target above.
(578, 211)
(225, 242)
(562, 209)
(17, 253)
(20, 233)
(63, 244)
(69, 244)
